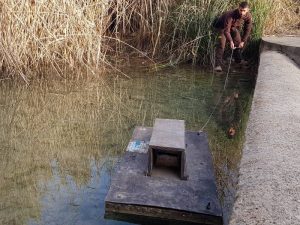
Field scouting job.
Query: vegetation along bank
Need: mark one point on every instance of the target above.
(93, 36)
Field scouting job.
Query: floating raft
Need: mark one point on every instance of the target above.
(165, 193)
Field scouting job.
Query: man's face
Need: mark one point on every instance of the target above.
(243, 11)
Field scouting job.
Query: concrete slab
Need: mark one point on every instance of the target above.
(168, 134)
(163, 196)
(269, 181)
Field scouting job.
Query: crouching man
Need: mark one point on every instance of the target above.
(228, 28)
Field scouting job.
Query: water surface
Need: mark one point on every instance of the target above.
(59, 139)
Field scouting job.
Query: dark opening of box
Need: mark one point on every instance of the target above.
(166, 163)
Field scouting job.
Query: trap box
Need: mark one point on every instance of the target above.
(166, 173)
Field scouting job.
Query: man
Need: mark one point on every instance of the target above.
(228, 26)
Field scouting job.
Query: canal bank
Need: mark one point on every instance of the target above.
(269, 176)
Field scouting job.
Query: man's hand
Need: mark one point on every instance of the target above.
(242, 44)
(232, 45)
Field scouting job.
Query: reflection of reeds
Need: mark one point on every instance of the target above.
(43, 122)
(75, 122)
(89, 35)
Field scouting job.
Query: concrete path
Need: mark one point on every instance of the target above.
(269, 181)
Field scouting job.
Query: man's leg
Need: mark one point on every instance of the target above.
(220, 46)
(237, 53)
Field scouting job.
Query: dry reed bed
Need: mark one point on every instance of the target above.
(284, 18)
(88, 35)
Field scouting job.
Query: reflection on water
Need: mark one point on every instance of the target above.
(66, 202)
(58, 139)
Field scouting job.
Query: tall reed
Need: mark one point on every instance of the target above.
(90, 35)
(284, 17)
(36, 34)
(260, 9)
(192, 31)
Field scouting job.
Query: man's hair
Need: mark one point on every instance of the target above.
(244, 5)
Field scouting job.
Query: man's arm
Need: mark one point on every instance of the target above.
(247, 27)
(227, 28)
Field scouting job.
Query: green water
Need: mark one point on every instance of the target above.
(59, 139)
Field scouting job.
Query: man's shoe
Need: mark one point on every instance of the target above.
(218, 69)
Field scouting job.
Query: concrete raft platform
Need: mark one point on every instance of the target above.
(161, 195)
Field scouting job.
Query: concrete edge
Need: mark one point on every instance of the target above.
(293, 52)
(239, 209)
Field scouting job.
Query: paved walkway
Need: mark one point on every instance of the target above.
(269, 181)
